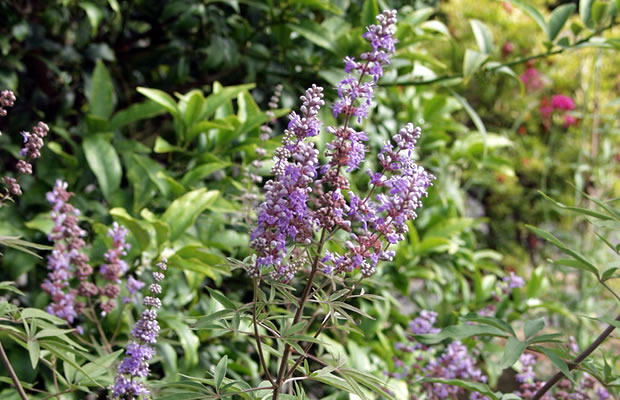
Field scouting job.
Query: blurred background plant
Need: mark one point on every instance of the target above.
(155, 115)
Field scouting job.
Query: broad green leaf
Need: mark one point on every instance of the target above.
(192, 107)
(370, 10)
(483, 35)
(532, 327)
(135, 112)
(469, 385)
(600, 11)
(122, 216)
(473, 61)
(217, 99)
(202, 171)
(546, 338)
(69, 159)
(558, 362)
(162, 230)
(204, 126)
(220, 372)
(152, 169)
(315, 33)
(549, 237)
(458, 332)
(558, 18)
(189, 341)
(199, 259)
(532, 12)
(104, 162)
(102, 98)
(512, 351)
(183, 211)
(609, 273)
(163, 146)
(162, 98)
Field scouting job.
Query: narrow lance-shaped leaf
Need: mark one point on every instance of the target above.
(558, 18)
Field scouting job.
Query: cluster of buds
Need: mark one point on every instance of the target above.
(114, 267)
(31, 150)
(140, 351)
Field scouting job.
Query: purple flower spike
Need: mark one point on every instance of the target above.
(139, 351)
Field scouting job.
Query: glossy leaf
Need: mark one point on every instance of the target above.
(104, 162)
(183, 211)
(162, 98)
(558, 18)
(102, 97)
(134, 226)
(512, 351)
(483, 35)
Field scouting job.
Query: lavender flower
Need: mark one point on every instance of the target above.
(454, 362)
(66, 258)
(298, 205)
(114, 267)
(140, 351)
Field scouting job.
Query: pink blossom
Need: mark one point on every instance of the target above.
(569, 120)
(531, 79)
(561, 102)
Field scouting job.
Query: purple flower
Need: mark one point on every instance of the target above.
(514, 281)
(139, 351)
(7, 99)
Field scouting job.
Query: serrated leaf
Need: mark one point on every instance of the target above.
(512, 351)
(558, 18)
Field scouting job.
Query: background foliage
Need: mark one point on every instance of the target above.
(155, 113)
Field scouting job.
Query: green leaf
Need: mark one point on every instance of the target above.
(579, 210)
(28, 313)
(34, 351)
(55, 332)
(102, 98)
(216, 316)
(135, 112)
(162, 98)
(94, 14)
(315, 33)
(122, 216)
(558, 362)
(492, 321)
(473, 61)
(609, 273)
(191, 107)
(600, 10)
(202, 171)
(220, 372)
(10, 287)
(532, 327)
(474, 117)
(483, 35)
(458, 332)
(163, 146)
(204, 126)
(189, 341)
(162, 230)
(546, 338)
(97, 367)
(569, 262)
(512, 351)
(217, 99)
(558, 18)
(585, 11)
(183, 212)
(584, 261)
(104, 162)
(469, 385)
(223, 300)
(532, 12)
(370, 10)
(198, 259)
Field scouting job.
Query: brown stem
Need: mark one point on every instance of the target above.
(259, 345)
(9, 367)
(556, 378)
(298, 315)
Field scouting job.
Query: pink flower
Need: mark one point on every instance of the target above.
(561, 102)
(531, 79)
(569, 120)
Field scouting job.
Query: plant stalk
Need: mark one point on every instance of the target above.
(14, 378)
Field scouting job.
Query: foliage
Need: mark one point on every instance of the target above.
(155, 118)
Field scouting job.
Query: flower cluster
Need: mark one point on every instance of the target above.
(33, 142)
(586, 389)
(454, 362)
(114, 267)
(559, 103)
(140, 350)
(7, 99)
(299, 203)
(532, 79)
(66, 259)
